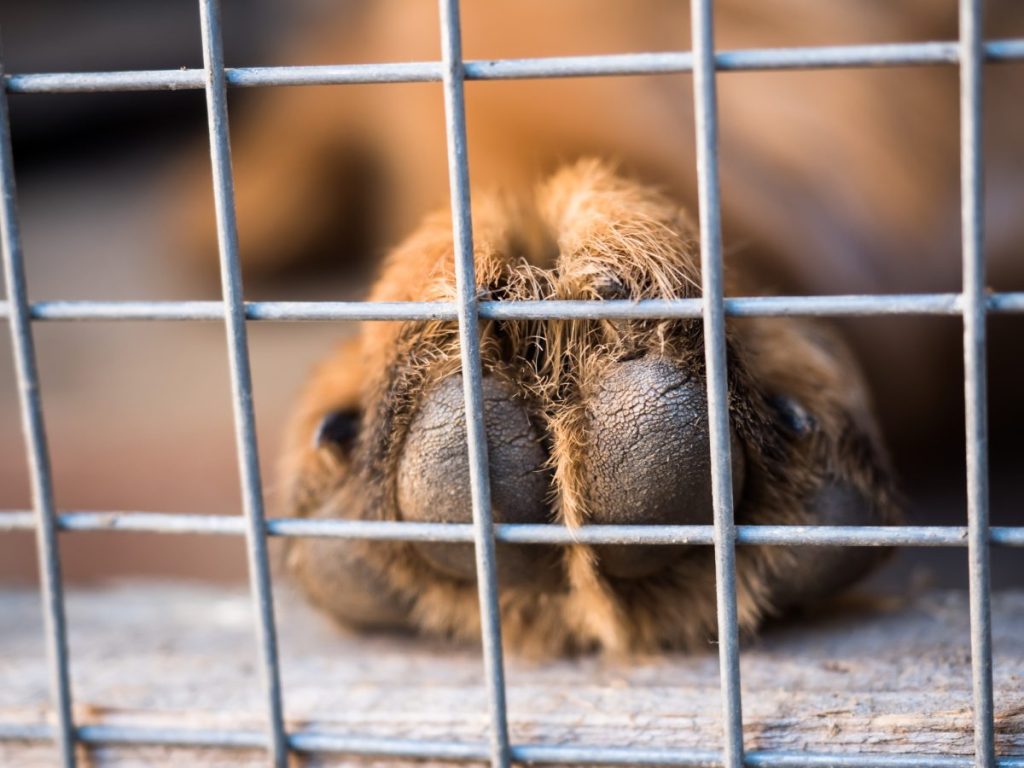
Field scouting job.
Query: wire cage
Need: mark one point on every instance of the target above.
(973, 304)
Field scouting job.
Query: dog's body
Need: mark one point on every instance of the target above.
(834, 182)
(841, 181)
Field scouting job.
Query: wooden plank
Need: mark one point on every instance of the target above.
(881, 677)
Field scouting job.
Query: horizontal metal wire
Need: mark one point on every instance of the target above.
(312, 741)
(665, 63)
(518, 533)
(870, 305)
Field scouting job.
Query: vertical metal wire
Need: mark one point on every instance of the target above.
(975, 395)
(241, 379)
(469, 344)
(34, 430)
(712, 289)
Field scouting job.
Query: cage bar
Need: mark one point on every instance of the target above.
(871, 305)
(972, 228)
(36, 452)
(241, 377)
(969, 54)
(472, 378)
(319, 742)
(713, 292)
(622, 64)
(84, 521)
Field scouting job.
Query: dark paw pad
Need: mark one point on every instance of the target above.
(649, 460)
(433, 477)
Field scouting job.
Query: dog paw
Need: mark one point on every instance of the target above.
(588, 422)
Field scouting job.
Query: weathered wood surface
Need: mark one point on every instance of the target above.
(880, 678)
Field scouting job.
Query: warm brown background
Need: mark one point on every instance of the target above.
(138, 414)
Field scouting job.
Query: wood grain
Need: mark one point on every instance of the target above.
(880, 677)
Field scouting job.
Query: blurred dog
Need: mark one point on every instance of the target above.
(842, 181)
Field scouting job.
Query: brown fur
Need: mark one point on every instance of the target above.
(603, 229)
(839, 181)
(842, 181)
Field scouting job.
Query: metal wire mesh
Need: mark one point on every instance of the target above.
(970, 53)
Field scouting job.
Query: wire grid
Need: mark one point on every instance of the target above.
(973, 304)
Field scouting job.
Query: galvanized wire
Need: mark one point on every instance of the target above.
(34, 430)
(622, 64)
(871, 305)
(472, 378)
(319, 742)
(518, 533)
(241, 376)
(712, 291)
(976, 401)
(973, 304)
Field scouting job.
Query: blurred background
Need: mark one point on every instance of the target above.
(139, 414)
